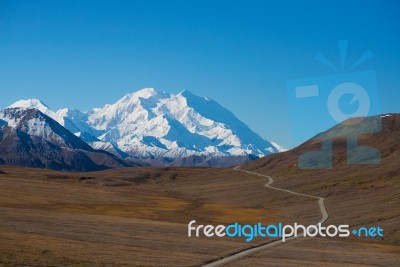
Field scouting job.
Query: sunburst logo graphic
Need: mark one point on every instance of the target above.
(319, 103)
(343, 44)
(358, 94)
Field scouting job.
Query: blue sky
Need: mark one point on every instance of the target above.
(84, 54)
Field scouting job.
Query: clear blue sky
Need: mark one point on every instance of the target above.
(84, 54)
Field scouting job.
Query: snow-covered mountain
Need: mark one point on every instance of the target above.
(30, 138)
(34, 122)
(150, 124)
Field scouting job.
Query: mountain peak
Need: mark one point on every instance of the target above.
(34, 103)
(143, 93)
(29, 103)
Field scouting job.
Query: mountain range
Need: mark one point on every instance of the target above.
(144, 127)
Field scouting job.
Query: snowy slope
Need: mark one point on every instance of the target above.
(35, 123)
(30, 138)
(34, 104)
(148, 123)
(278, 147)
(152, 124)
(73, 120)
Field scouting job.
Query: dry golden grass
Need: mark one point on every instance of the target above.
(139, 216)
(133, 216)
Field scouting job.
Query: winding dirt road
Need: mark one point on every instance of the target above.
(275, 243)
